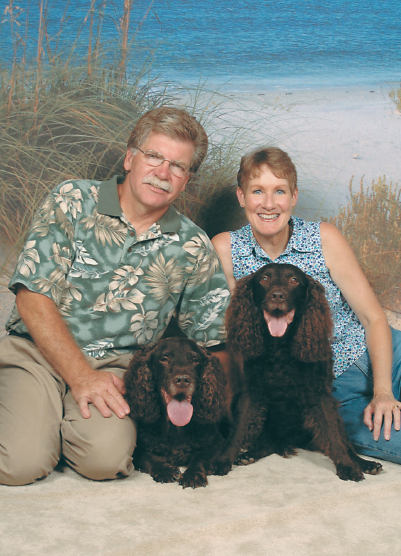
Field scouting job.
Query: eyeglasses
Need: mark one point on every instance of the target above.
(153, 158)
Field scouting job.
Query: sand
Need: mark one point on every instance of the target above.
(332, 135)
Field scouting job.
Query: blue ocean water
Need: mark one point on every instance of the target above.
(245, 43)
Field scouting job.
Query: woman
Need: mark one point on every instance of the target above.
(367, 353)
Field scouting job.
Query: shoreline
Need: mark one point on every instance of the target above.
(243, 86)
(333, 134)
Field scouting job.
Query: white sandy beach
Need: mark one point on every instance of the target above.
(331, 134)
(277, 506)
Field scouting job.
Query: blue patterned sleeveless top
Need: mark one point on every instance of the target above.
(304, 250)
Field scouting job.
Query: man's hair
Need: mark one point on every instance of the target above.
(278, 162)
(175, 123)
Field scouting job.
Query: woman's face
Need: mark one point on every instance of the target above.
(268, 203)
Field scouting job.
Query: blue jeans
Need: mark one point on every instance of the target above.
(354, 390)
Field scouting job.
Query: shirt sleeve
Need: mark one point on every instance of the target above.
(206, 295)
(48, 251)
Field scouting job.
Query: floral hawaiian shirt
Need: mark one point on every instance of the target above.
(116, 290)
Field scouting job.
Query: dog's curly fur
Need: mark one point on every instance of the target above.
(285, 374)
(179, 369)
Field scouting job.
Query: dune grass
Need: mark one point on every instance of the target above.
(62, 117)
(395, 96)
(371, 223)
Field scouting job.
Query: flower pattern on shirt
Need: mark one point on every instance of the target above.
(117, 290)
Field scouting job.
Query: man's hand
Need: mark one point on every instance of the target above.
(104, 390)
(53, 339)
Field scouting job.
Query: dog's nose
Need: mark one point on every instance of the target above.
(182, 380)
(277, 296)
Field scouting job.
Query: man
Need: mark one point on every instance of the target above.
(104, 268)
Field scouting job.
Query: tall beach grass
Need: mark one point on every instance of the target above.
(395, 95)
(64, 116)
(371, 223)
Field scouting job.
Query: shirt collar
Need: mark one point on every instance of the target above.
(299, 240)
(249, 243)
(296, 243)
(109, 204)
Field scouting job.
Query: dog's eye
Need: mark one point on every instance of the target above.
(193, 358)
(164, 359)
(293, 280)
(264, 279)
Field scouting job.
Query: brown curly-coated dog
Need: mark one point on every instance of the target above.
(176, 392)
(279, 329)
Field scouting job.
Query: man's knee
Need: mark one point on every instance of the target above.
(19, 467)
(100, 468)
(103, 453)
(30, 413)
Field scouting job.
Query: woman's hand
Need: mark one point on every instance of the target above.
(383, 407)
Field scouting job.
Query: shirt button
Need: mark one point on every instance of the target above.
(129, 249)
(132, 234)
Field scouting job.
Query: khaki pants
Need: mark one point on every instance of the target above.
(40, 420)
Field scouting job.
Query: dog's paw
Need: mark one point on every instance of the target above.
(245, 458)
(371, 467)
(349, 473)
(193, 479)
(220, 466)
(286, 452)
(166, 474)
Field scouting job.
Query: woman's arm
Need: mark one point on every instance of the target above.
(222, 244)
(353, 284)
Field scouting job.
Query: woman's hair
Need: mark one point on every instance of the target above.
(278, 162)
(175, 123)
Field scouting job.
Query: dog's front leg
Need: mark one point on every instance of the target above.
(156, 466)
(329, 437)
(368, 466)
(196, 473)
(224, 460)
(261, 448)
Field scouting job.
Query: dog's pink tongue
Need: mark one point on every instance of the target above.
(277, 326)
(180, 413)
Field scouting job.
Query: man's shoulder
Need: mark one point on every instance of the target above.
(188, 227)
(77, 196)
(86, 186)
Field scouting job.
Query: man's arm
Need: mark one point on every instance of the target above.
(54, 340)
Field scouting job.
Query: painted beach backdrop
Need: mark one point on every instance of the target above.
(269, 43)
(314, 77)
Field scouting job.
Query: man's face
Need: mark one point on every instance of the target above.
(156, 188)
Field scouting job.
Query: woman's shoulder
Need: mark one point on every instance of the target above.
(330, 233)
(222, 242)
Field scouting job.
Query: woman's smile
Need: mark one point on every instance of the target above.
(268, 202)
(268, 216)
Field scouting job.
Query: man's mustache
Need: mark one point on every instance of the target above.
(157, 182)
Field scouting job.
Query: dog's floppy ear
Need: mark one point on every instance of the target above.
(244, 322)
(140, 387)
(312, 341)
(210, 395)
